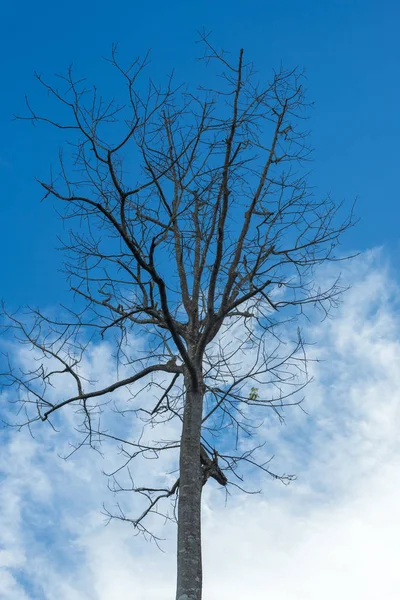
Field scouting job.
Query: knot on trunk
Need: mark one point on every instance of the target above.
(210, 467)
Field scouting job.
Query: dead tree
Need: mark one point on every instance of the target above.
(195, 229)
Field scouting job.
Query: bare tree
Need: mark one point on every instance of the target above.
(195, 229)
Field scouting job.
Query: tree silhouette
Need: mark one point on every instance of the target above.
(194, 228)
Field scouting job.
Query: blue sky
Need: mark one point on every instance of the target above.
(349, 49)
(323, 533)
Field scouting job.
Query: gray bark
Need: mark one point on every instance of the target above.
(189, 580)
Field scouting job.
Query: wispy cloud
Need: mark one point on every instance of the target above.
(332, 532)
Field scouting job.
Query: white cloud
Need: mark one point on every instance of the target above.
(331, 533)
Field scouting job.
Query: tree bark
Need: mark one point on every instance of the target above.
(189, 580)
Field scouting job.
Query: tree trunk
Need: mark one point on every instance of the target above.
(189, 580)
